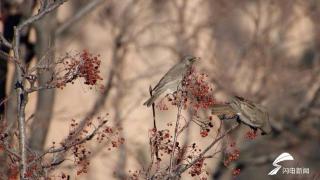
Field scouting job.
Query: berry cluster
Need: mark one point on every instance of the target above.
(163, 141)
(205, 126)
(104, 134)
(81, 159)
(83, 65)
(195, 92)
(198, 91)
(89, 68)
(251, 135)
(33, 168)
(232, 156)
(204, 132)
(197, 168)
(236, 172)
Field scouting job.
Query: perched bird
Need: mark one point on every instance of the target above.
(249, 113)
(172, 79)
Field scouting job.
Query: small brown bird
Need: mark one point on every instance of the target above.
(172, 79)
(249, 113)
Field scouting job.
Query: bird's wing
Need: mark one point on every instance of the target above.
(246, 112)
(174, 73)
(266, 127)
(257, 115)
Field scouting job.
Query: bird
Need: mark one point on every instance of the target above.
(247, 112)
(172, 79)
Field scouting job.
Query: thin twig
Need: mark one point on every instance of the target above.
(154, 145)
(175, 137)
(10, 151)
(153, 110)
(80, 14)
(67, 146)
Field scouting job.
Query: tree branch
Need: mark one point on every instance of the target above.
(41, 13)
(5, 42)
(67, 146)
(22, 94)
(180, 171)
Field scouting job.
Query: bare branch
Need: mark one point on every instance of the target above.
(22, 101)
(46, 10)
(66, 146)
(4, 41)
(8, 58)
(80, 14)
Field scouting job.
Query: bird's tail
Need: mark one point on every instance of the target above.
(220, 109)
(151, 100)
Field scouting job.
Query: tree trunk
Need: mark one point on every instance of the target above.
(45, 30)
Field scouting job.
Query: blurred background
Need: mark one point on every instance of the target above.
(267, 51)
